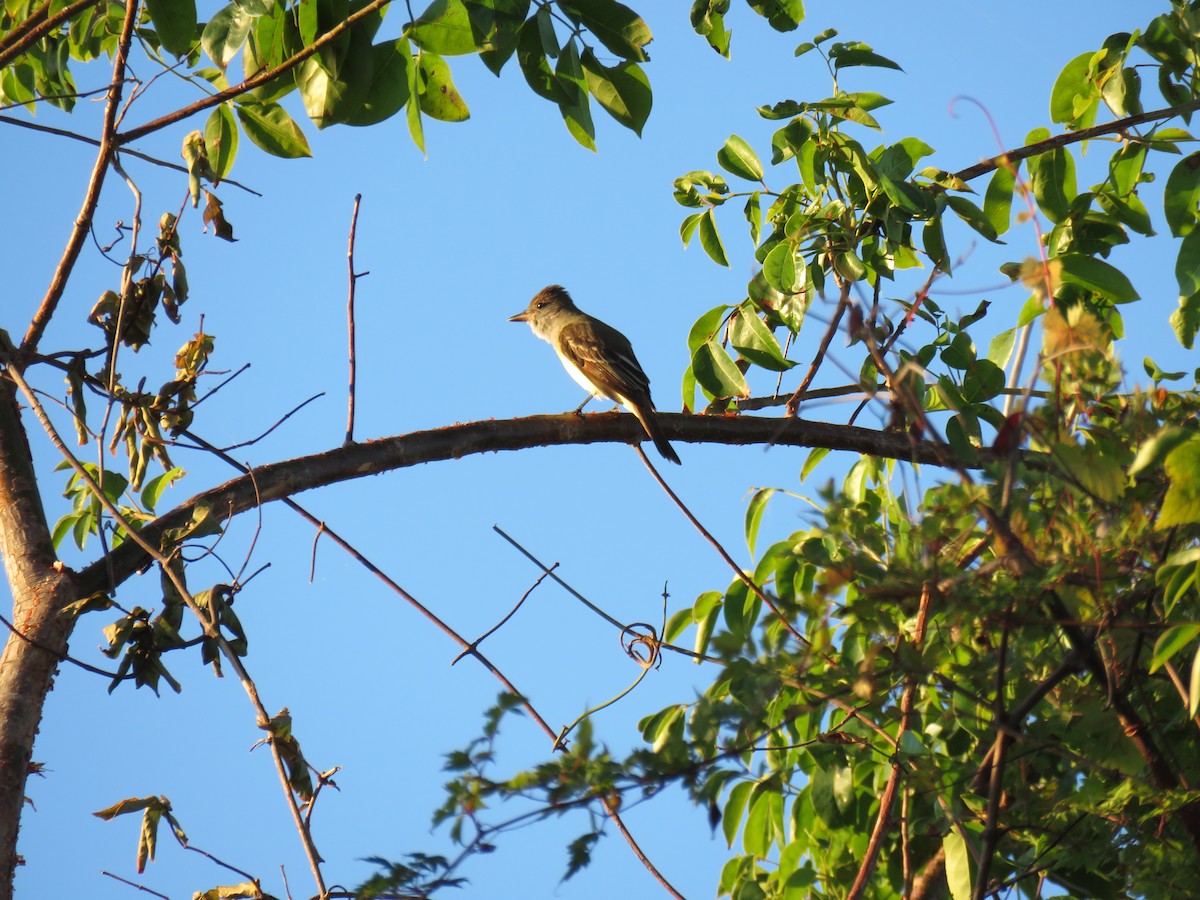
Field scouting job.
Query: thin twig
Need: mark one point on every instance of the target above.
(721, 551)
(62, 657)
(354, 276)
(621, 626)
(133, 884)
(512, 612)
(793, 403)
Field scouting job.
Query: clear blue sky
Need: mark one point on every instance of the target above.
(455, 243)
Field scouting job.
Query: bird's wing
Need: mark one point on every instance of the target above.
(606, 359)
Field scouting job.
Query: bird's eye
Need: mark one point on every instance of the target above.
(540, 304)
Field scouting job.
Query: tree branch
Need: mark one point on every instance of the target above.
(1073, 137)
(250, 83)
(283, 479)
(37, 26)
(91, 197)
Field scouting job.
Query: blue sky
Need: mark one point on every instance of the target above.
(455, 243)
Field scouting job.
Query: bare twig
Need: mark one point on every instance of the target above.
(793, 403)
(512, 612)
(354, 276)
(134, 884)
(125, 151)
(722, 552)
(621, 626)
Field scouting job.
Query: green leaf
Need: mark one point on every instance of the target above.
(271, 129)
(1186, 319)
(154, 488)
(753, 213)
(439, 98)
(783, 15)
(934, 241)
(973, 216)
(958, 864)
(1181, 197)
(444, 28)
(329, 98)
(754, 341)
(814, 458)
(221, 140)
(1187, 266)
(754, 513)
(1194, 685)
(623, 90)
(531, 56)
(388, 91)
(860, 55)
(1053, 182)
(175, 22)
(1097, 275)
(1170, 642)
(1098, 474)
(706, 327)
(710, 239)
(784, 268)
(738, 158)
(997, 200)
(1154, 450)
(717, 373)
(575, 108)
(1181, 506)
(735, 806)
(496, 24)
(614, 25)
(225, 33)
(1072, 88)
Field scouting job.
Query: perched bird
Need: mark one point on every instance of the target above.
(597, 356)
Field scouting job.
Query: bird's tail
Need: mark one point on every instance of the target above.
(645, 414)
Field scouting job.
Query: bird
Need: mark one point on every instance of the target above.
(597, 356)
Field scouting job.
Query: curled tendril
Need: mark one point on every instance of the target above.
(641, 644)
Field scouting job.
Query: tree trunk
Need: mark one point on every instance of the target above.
(41, 587)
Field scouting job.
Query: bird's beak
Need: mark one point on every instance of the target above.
(522, 316)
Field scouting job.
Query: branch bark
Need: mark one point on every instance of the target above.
(40, 588)
(1074, 137)
(284, 479)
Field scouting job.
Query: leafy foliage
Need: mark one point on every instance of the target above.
(993, 684)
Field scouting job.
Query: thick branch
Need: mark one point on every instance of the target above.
(1072, 137)
(283, 479)
(40, 588)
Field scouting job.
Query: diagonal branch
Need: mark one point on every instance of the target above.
(1073, 137)
(91, 197)
(37, 26)
(258, 80)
